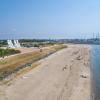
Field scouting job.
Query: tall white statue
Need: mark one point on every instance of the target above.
(10, 44)
(17, 44)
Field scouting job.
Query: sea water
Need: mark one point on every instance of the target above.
(95, 69)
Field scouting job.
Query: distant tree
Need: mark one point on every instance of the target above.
(36, 45)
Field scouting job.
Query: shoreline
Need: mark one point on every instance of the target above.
(91, 72)
(64, 75)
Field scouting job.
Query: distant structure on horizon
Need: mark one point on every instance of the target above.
(16, 44)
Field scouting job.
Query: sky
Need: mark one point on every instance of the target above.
(51, 19)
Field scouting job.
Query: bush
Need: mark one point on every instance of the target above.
(36, 45)
(7, 52)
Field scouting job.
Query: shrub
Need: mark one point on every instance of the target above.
(7, 52)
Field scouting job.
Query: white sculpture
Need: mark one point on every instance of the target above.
(10, 44)
(16, 44)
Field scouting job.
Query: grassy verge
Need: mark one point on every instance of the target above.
(16, 63)
(7, 52)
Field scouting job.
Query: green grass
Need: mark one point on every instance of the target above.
(7, 52)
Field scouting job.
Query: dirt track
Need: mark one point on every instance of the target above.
(64, 75)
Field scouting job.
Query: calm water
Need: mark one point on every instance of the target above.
(95, 55)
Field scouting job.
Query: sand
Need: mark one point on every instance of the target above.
(64, 75)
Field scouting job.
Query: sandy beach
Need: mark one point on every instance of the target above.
(64, 75)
